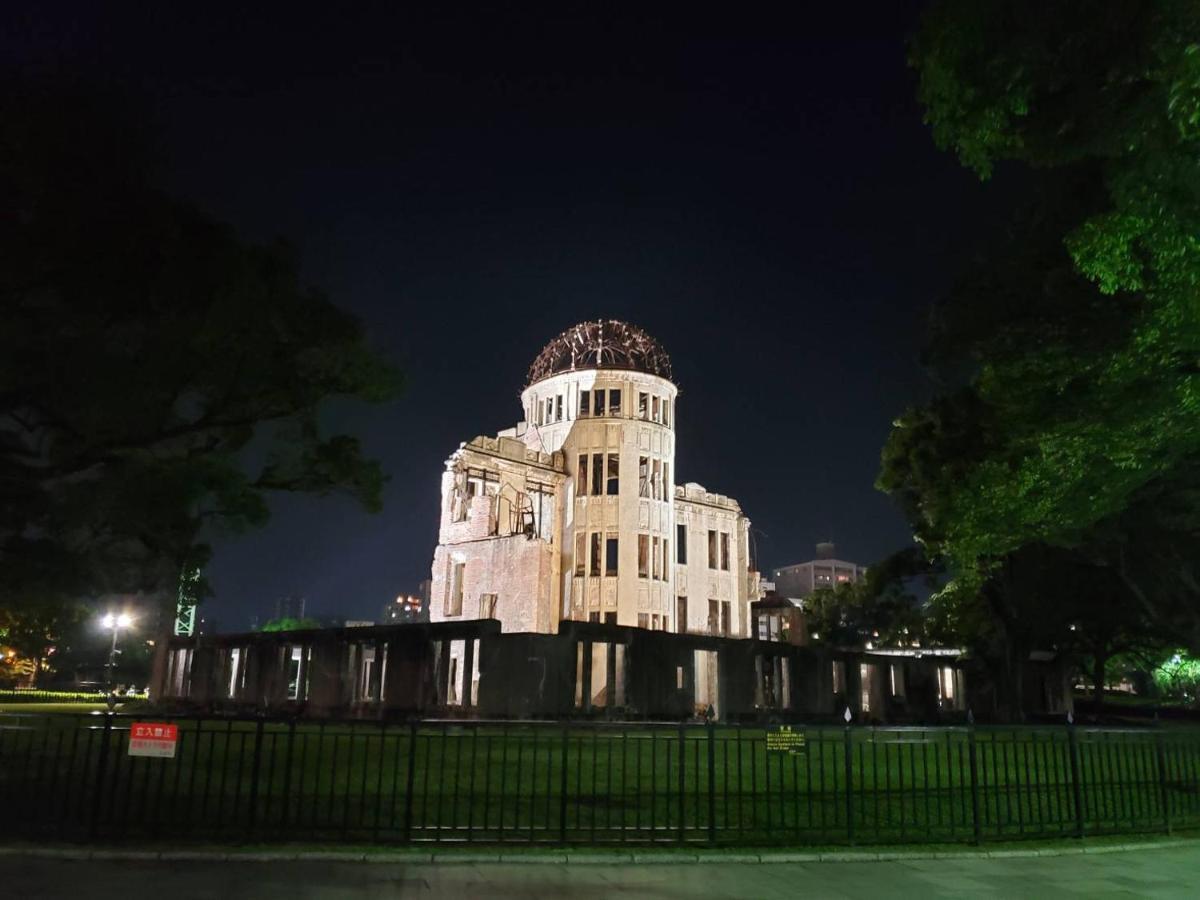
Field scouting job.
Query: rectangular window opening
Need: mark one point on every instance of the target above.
(580, 550)
(581, 476)
(610, 554)
(614, 401)
(597, 474)
(643, 555)
(681, 544)
(454, 601)
(614, 474)
(594, 569)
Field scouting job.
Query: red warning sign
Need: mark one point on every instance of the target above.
(153, 739)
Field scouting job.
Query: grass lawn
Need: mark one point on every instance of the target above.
(591, 784)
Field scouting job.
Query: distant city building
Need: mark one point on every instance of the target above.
(405, 609)
(826, 571)
(289, 608)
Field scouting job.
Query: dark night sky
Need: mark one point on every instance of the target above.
(760, 195)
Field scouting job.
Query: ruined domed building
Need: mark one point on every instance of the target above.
(574, 577)
(575, 513)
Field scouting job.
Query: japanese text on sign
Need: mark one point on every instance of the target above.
(784, 740)
(153, 739)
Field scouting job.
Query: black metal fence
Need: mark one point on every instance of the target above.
(71, 777)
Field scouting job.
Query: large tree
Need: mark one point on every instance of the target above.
(158, 375)
(1071, 353)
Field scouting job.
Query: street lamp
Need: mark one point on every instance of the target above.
(114, 623)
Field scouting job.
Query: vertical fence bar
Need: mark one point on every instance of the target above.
(972, 755)
(410, 780)
(562, 786)
(101, 772)
(681, 776)
(255, 766)
(847, 753)
(712, 783)
(1161, 764)
(1076, 788)
(287, 773)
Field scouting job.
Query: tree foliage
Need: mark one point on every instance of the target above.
(158, 375)
(1070, 353)
(883, 607)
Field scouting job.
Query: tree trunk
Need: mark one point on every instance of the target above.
(1099, 663)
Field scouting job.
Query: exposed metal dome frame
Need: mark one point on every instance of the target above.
(601, 344)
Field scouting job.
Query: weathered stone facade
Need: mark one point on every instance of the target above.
(574, 513)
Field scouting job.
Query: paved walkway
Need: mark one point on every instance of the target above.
(1173, 872)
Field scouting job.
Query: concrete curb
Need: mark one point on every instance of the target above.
(567, 857)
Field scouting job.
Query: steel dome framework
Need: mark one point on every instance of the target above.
(601, 344)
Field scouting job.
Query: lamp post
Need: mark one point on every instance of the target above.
(114, 623)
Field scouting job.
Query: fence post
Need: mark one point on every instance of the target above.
(410, 780)
(255, 767)
(1160, 756)
(1076, 788)
(682, 779)
(848, 752)
(101, 765)
(562, 786)
(972, 755)
(287, 771)
(712, 784)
